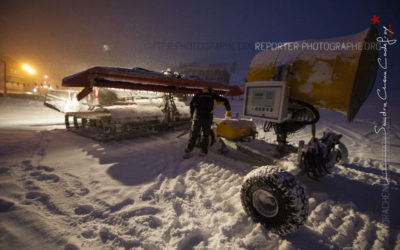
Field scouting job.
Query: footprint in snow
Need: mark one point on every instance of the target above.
(27, 165)
(83, 209)
(45, 168)
(71, 247)
(5, 205)
(150, 221)
(81, 192)
(88, 234)
(38, 174)
(45, 200)
(120, 205)
(45, 177)
(30, 186)
(79, 187)
(4, 170)
(106, 235)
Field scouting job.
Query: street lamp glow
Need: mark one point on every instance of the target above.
(28, 69)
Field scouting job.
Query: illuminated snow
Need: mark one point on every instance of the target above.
(60, 190)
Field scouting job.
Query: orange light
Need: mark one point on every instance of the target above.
(28, 69)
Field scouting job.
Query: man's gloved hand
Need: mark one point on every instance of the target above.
(228, 115)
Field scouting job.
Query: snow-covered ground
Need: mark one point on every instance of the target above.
(59, 190)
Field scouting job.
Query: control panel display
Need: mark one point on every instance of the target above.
(266, 100)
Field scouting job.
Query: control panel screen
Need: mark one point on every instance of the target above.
(265, 102)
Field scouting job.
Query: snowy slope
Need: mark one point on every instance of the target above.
(59, 190)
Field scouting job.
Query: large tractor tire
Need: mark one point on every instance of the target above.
(274, 198)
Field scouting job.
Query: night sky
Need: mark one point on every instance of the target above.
(63, 37)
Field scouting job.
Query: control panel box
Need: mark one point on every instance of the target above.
(267, 100)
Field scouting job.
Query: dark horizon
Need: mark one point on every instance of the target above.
(60, 38)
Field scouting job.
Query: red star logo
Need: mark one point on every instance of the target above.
(375, 19)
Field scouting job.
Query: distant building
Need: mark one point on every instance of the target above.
(211, 72)
(17, 80)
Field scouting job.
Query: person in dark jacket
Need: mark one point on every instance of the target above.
(202, 111)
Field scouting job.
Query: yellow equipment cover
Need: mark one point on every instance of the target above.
(336, 74)
(235, 129)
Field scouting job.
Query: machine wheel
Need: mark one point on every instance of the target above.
(342, 154)
(275, 199)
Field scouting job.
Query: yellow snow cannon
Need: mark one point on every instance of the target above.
(286, 86)
(336, 74)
